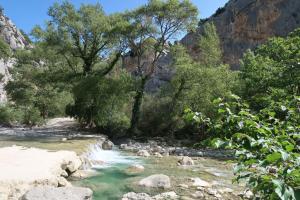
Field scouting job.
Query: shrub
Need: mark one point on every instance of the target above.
(266, 142)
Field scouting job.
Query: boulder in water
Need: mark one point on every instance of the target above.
(156, 181)
(198, 182)
(143, 153)
(135, 169)
(107, 145)
(62, 193)
(186, 161)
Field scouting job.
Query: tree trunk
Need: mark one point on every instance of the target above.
(136, 109)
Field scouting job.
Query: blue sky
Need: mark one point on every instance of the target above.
(28, 13)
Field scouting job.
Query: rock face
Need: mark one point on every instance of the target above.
(245, 24)
(11, 34)
(51, 193)
(241, 25)
(14, 38)
(22, 169)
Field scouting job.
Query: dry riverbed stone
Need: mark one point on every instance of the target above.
(156, 181)
(61, 193)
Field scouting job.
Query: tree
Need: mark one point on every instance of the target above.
(196, 83)
(100, 102)
(209, 45)
(83, 37)
(35, 86)
(152, 26)
(274, 65)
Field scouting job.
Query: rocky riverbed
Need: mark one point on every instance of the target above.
(59, 162)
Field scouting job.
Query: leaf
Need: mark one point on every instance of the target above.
(274, 157)
(284, 155)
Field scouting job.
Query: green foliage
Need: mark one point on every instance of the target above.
(210, 53)
(196, 83)
(26, 36)
(7, 115)
(158, 22)
(274, 65)
(5, 51)
(101, 101)
(34, 84)
(82, 36)
(266, 143)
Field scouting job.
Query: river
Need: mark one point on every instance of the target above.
(112, 179)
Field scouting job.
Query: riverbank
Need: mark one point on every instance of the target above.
(117, 173)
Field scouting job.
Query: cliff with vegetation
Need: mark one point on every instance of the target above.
(245, 24)
(11, 38)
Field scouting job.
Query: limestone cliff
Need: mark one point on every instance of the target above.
(15, 39)
(245, 24)
(241, 25)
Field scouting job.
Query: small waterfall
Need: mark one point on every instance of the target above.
(100, 158)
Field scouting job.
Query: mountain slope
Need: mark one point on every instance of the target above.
(245, 24)
(14, 38)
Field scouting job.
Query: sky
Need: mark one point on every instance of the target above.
(28, 13)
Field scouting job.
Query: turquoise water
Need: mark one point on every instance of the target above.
(110, 184)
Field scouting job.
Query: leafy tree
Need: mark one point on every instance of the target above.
(210, 53)
(35, 84)
(83, 37)
(152, 26)
(274, 65)
(197, 83)
(101, 102)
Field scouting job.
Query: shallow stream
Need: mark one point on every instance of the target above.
(112, 179)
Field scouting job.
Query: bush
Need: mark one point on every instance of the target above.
(266, 142)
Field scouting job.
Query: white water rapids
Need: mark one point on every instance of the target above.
(100, 158)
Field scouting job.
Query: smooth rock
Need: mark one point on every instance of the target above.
(82, 174)
(198, 194)
(156, 154)
(156, 181)
(136, 196)
(167, 195)
(226, 190)
(62, 182)
(198, 182)
(107, 145)
(135, 168)
(186, 161)
(184, 186)
(248, 194)
(143, 153)
(62, 193)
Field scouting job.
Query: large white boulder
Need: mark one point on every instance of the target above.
(61, 193)
(156, 181)
(23, 168)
